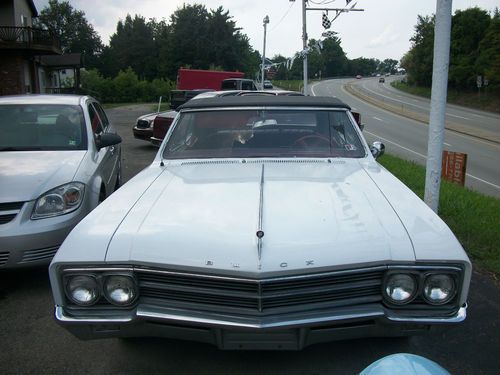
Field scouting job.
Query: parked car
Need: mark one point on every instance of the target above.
(162, 123)
(264, 222)
(359, 76)
(268, 84)
(143, 128)
(381, 80)
(59, 158)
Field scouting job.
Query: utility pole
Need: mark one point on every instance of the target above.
(304, 31)
(265, 21)
(442, 35)
(304, 42)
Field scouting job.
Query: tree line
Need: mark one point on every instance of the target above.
(474, 50)
(147, 53)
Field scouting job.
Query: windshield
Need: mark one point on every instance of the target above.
(28, 127)
(264, 133)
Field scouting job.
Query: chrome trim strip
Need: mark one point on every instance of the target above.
(235, 324)
(61, 316)
(261, 209)
(143, 313)
(228, 278)
(457, 318)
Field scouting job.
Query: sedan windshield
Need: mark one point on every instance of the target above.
(27, 127)
(264, 133)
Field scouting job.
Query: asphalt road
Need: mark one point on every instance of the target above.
(32, 343)
(408, 138)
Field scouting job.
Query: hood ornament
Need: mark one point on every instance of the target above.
(260, 232)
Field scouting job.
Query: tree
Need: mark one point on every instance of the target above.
(418, 61)
(72, 29)
(467, 31)
(132, 45)
(488, 60)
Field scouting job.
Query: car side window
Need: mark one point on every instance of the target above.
(246, 85)
(102, 115)
(95, 120)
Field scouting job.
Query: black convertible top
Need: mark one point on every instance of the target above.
(265, 101)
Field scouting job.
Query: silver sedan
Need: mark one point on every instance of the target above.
(59, 158)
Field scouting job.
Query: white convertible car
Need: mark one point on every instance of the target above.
(263, 223)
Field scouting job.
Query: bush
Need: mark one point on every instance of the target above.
(125, 87)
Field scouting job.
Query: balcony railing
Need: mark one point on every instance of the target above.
(28, 38)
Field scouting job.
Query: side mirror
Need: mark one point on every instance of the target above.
(377, 149)
(107, 139)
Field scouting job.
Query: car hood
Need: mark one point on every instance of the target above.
(314, 214)
(25, 175)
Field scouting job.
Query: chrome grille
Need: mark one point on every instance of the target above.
(8, 211)
(39, 254)
(286, 294)
(4, 257)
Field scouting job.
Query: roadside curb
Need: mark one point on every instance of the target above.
(458, 128)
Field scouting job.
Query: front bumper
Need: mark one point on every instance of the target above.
(143, 133)
(290, 332)
(28, 243)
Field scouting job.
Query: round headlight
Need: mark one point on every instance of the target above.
(439, 289)
(120, 290)
(83, 290)
(400, 288)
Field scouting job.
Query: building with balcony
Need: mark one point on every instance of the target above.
(31, 60)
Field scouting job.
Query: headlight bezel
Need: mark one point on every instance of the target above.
(107, 294)
(413, 275)
(67, 290)
(452, 294)
(64, 194)
(421, 274)
(100, 277)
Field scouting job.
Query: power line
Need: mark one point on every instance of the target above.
(282, 18)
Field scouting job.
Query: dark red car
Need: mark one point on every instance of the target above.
(161, 124)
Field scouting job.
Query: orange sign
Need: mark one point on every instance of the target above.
(454, 166)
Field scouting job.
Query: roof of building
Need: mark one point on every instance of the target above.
(265, 101)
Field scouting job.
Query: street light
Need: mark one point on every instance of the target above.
(266, 21)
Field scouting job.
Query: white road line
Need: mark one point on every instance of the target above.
(378, 119)
(465, 118)
(447, 144)
(425, 157)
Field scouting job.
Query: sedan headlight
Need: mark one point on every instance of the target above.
(82, 290)
(59, 201)
(120, 289)
(439, 288)
(400, 288)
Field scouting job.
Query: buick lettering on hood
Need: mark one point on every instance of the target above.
(263, 223)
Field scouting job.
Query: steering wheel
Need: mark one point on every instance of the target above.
(313, 140)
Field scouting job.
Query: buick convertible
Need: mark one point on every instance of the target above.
(264, 222)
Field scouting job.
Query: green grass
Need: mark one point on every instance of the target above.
(486, 101)
(165, 106)
(473, 217)
(292, 85)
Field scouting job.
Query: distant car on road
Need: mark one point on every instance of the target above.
(381, 80)
(268, 84)
(359, 76)
(264, 222)
(59, 158)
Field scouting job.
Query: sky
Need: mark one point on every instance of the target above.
(381, 31)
